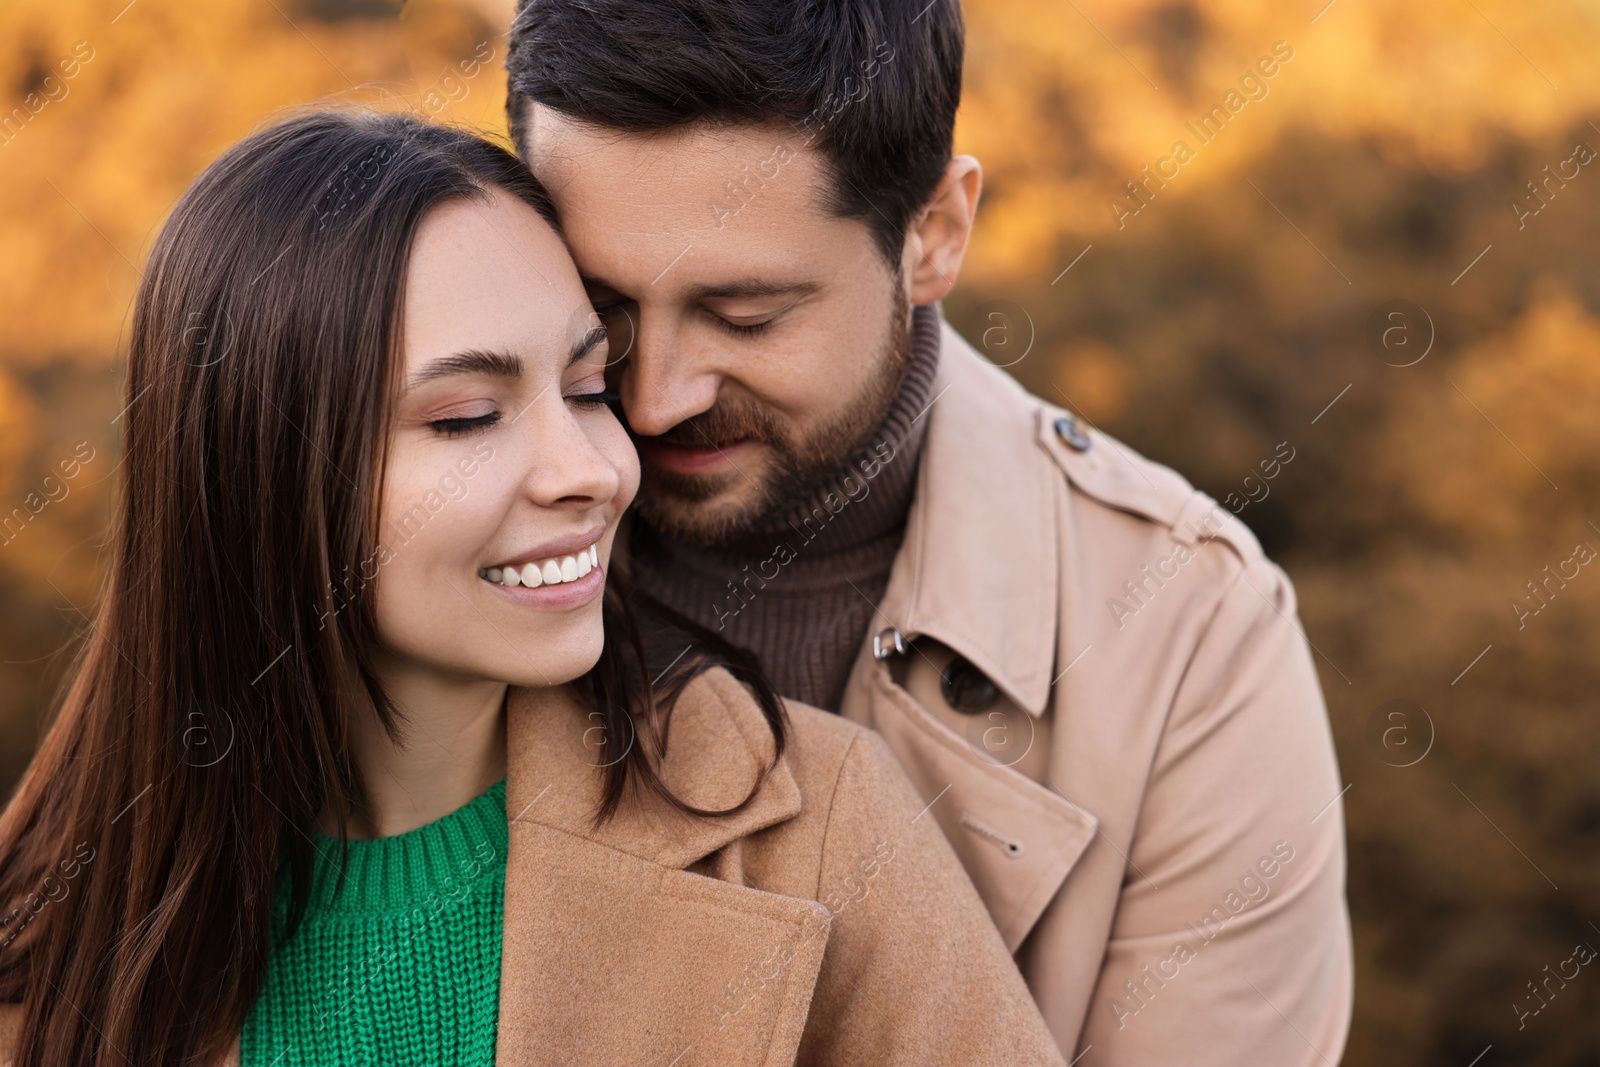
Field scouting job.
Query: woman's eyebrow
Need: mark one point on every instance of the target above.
(470, 361)
(586, 344)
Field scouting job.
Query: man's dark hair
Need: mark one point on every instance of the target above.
(872, 84)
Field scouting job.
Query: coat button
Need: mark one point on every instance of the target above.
(966, 688)
(1068, 430)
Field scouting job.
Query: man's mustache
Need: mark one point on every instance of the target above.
(723, 424)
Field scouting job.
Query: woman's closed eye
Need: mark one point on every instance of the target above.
(605, 397)
(462, 425)
(458, 427)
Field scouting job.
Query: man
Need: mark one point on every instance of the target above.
(1090, 671)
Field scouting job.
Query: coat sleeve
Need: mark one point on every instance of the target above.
(914, 971)
(1231, 942)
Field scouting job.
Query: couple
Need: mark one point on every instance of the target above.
(396, 741)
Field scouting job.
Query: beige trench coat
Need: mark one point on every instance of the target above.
(827, 923)
(1149, 803)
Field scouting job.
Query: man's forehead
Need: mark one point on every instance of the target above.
(554, 138)
(712, 205)
(685, 172)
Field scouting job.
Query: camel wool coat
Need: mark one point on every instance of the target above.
(1100, 686)
(828, 922)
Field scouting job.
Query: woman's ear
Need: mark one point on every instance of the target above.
(937, 238)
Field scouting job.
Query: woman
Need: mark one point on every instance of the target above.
(361, 762)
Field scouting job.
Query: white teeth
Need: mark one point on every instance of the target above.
(549, 572)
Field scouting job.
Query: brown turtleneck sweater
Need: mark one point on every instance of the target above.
(801, 592)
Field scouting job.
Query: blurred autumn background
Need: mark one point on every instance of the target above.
(1377, 258)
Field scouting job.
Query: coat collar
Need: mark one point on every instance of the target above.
(978, 571)
(719, 743)
(612, 951)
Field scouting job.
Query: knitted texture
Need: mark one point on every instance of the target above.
(402, 966)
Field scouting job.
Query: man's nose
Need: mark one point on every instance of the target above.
(666, 378)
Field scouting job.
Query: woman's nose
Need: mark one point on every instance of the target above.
(566, 467)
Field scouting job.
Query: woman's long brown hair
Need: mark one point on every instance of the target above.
(205, 723)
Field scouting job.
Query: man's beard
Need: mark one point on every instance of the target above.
(800, 466)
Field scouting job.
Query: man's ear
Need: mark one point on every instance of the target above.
(936, 241)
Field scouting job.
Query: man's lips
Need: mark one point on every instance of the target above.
(681, 460)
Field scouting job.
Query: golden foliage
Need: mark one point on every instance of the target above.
(1065, 102)
(88, 179)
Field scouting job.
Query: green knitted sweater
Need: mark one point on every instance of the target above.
(402, 967)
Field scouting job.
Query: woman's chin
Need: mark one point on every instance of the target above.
(569, 657)
(540, 652)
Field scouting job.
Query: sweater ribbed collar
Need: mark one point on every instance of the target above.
(419, 868)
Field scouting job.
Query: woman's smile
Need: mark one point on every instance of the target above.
(560, 574)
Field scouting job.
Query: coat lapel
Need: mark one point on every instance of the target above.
(978, 572)
(978, 569)
(1017, 839)
(615, 953)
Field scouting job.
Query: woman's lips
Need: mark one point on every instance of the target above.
(562, 595)
(681, 460)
